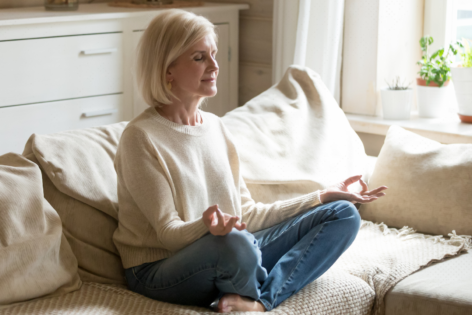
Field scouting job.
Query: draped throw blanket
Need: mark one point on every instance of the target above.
(356, 284)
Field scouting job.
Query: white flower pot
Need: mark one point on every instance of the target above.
(396, 104)
(462, 78)
(432, 101)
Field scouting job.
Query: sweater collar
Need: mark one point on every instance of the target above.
(186, 129)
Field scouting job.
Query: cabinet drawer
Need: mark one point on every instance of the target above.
(18, 123)
(48, 69)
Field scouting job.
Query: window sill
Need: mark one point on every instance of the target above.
(445, 130)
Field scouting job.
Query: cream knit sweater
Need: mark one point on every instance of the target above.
(169, 174)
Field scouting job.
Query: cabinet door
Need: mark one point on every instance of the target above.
(59, 68)
(18, 123)
(219, 104)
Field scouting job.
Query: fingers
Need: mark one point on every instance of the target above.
(241, 226)
(379, 195)
(375, 191)
(364, 186)
(370, 198)
(221, 219)
(351, 180)
(221, 223)
(208, 215)
(357, 198)
(231, 224)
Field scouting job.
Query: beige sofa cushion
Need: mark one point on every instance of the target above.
(81, 185)
(442, 289)
(294, 139)
(429, 184)
(35, 258)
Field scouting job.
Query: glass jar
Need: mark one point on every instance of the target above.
(61, 5)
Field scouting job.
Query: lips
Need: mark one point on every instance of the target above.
(209, 80)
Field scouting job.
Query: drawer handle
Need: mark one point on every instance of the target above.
(99, 51)
(99, 112)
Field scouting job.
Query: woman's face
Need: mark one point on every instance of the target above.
(193, 74)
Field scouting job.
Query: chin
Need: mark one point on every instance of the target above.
(211, 93)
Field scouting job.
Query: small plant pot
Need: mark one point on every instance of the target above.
(462, 78)
(396, 104)
(432, 99)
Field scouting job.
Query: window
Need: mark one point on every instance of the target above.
(461, 21)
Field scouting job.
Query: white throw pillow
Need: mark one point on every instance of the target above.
(429, 184)
(35, 258)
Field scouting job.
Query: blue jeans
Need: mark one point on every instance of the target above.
(268, 266)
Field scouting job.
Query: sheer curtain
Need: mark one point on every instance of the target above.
(309, 33)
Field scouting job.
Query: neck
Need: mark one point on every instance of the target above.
(182, 113)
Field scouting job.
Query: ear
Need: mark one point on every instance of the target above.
(169, 75)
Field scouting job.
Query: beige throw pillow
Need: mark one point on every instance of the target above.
(430, 184)
(294, 139)
(81, 185)
(35, 258)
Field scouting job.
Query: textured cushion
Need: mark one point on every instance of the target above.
(442, 289)
(429, 184)
(371, 160)
(35, 258)
(294, 139)
(80, 184)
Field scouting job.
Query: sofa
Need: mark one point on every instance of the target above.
(59, 209)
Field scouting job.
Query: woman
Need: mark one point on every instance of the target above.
(181, 194)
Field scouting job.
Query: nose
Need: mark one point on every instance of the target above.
(213, 65)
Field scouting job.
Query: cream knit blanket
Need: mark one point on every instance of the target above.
(356, 284)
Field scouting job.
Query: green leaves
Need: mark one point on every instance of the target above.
(425, 42)
(436, 67)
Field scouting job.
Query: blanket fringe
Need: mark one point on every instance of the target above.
(407, 233)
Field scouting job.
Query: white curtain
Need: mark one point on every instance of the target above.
(309, 33)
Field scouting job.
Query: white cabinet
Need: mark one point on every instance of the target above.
(58, 68)
(69, 70)
(18, 123)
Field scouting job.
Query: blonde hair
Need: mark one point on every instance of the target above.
(167, 37)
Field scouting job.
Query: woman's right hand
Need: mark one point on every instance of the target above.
(219, 223)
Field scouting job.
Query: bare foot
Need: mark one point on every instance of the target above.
(237, 303)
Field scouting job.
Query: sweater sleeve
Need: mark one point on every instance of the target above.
(259, 216)
(140, 172)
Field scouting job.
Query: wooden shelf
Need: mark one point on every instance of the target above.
(95, 11)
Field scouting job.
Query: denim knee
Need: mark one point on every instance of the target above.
(239, 251)
(347, 211)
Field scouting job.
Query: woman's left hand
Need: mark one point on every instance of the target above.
(340, 192)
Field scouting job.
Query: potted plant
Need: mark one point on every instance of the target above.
(396, 100)
(462, 78)
(435, 75)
